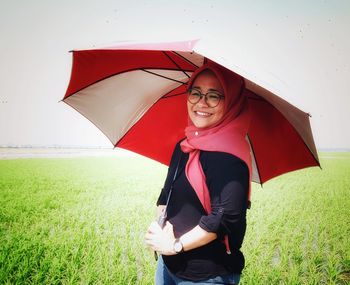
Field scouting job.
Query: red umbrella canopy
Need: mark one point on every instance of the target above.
(136, 95)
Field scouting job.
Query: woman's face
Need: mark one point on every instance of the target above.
(201, 115)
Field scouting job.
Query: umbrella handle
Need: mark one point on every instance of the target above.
(162, 219)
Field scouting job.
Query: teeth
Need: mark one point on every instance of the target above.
(202, 113)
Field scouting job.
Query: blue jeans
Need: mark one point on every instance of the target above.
(165, 277)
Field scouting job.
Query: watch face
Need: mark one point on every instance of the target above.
(177, 246)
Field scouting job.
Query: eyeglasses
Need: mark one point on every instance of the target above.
(212, 98)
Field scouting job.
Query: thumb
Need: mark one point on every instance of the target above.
(169, 229)
(168, 226)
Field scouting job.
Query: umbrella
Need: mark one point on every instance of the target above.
(136, 95)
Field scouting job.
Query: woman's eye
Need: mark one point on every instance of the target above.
(214, 97)
(197, 94)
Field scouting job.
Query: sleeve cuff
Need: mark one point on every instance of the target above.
(212, 222)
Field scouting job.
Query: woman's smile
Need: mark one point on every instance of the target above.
(202, 114)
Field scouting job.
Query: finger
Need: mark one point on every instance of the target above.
(150, 231)
(169, 225)
(169, 230)
(155, 228)
(149, 243)
(152, 247)
(149, 236)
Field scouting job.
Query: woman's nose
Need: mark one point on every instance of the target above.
(202, 101)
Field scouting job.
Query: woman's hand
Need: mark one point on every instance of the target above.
(161, 240)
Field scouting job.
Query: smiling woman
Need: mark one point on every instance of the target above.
(205, 196)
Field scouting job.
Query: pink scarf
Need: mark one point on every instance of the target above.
(228, 135)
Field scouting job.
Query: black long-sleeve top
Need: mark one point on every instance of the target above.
(227, 178)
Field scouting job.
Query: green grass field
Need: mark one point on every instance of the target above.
(82, 221)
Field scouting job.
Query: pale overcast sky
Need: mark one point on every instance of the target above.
(298, 49)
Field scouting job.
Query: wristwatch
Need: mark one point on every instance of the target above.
(178, 246)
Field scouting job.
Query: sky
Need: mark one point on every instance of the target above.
(297, 49)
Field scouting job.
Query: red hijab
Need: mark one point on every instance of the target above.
(228, 135)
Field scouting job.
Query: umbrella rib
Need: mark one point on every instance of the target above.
(184, 58)
(174, 62)
(178, 81)
(307, 146)
(256, 162)
(173, 95)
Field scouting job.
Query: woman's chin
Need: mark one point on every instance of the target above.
(200, 124)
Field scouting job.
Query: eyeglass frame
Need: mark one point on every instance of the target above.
(205, 97)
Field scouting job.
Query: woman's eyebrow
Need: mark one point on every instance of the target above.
(210, 89)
